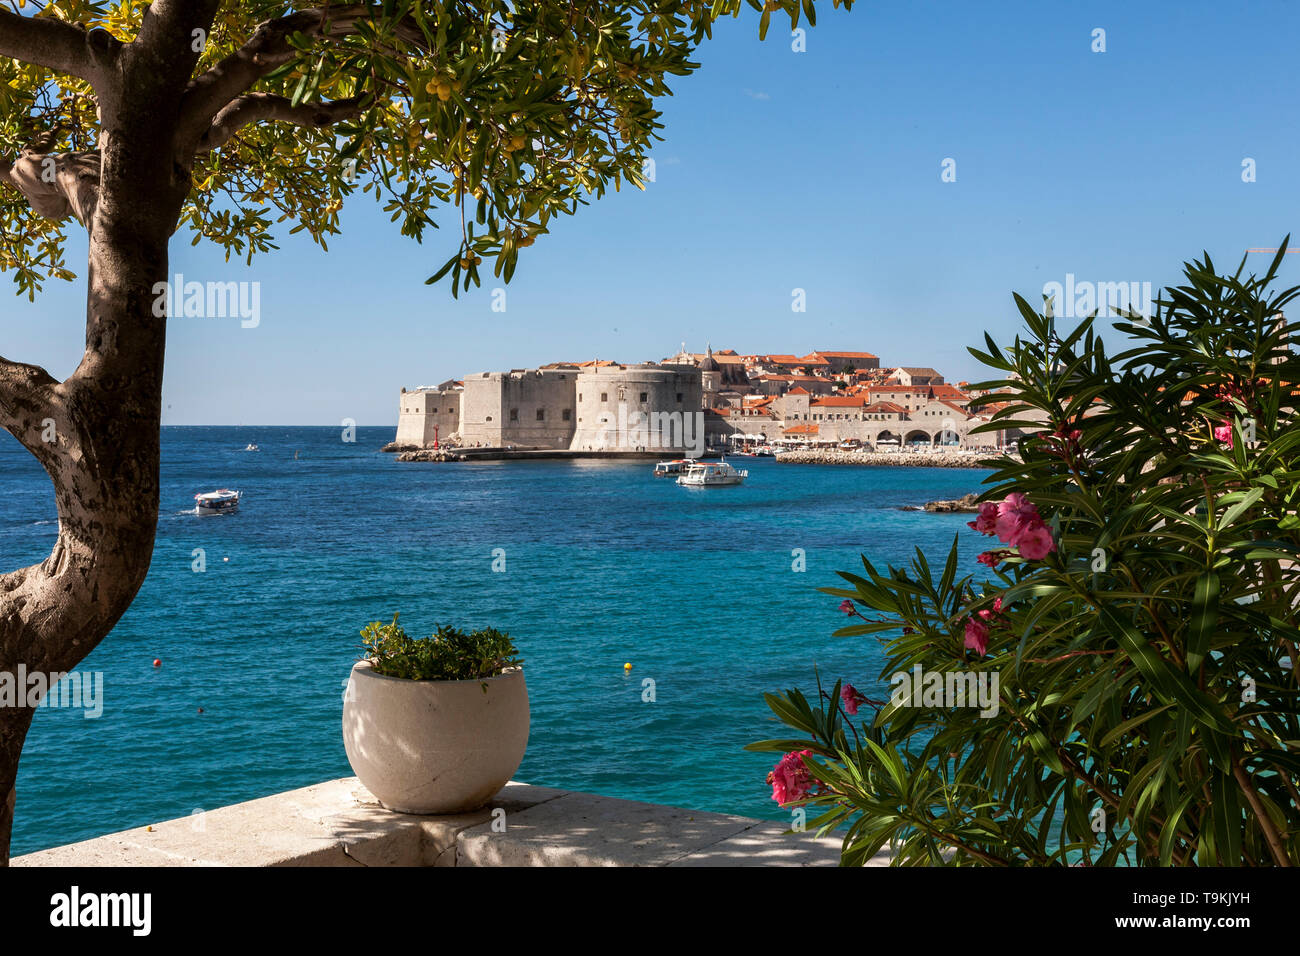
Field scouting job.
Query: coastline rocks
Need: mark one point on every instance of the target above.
(966, 503)
(922, 459)
(431, 454)
(394, 446)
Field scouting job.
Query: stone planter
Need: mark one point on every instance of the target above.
(434, 746)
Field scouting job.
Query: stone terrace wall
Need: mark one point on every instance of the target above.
(338, 823)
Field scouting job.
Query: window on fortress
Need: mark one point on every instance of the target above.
(679, 398)
(514, 414)
(567, 414)
(644, 396)
(604, 396)
(541, 414)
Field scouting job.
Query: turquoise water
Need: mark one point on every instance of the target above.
(604, 564)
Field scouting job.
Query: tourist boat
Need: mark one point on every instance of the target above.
(217, 502)
(666, 469)
(711, 474)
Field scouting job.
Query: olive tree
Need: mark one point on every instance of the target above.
(135, 120)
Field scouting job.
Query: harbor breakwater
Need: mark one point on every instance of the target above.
(526, 454)
(897, 459)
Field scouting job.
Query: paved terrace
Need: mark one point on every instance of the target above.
(338, 823)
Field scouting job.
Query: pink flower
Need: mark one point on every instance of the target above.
(790, 779)
(989, 614)
(852, 699)
(1016, 515)
(1036, 543)
(986, 523)
(847, 607)
(977, 636)
(991, 558)
(1223, 433)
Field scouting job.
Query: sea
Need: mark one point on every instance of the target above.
(254, 617)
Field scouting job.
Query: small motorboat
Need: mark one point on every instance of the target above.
(678, 466)
(251, 447)
(712, 474)
(217, 502)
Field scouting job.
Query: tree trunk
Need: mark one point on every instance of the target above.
(105, 476)
(14, 722)
(104, 421)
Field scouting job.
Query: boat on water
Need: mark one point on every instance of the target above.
(251, 447)
(217, 502)
(712, 474)
(678, 466)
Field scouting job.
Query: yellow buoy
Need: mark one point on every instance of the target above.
(627, 667)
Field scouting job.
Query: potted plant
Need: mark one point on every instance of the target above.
(437, 724)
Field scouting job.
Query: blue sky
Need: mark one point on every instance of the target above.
(780, 170)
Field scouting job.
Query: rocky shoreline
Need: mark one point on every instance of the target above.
(428, 454)
(923, 459)
(963, 505)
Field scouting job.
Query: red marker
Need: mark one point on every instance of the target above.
(157, 662)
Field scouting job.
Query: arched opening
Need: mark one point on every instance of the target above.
(917, 437)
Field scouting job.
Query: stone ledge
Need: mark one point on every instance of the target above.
(338, 823)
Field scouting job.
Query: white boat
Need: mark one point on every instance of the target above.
(709, 474)
(217, 502)
(666, 469)
(251, 447)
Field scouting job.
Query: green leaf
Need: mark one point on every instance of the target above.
(1205, 618)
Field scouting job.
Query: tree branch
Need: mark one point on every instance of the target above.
(260, 107)
(57, 185)
(27, 402)
(266, 50)
(57, 45)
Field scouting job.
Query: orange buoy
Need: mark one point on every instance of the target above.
(157, 662)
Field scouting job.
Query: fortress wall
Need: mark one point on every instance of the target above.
(421, 412)
(480, 409)
(519, 408)
(641, 406)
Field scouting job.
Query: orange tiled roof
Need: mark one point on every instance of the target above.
(948, 392)
(802, 430)
(846, 355)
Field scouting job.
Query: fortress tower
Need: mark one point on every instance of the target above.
(635, 407)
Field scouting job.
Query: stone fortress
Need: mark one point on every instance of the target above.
(692, 402)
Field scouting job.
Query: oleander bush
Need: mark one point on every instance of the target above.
(450, 654)
(1135, 616)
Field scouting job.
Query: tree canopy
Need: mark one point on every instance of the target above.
(484, 117)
